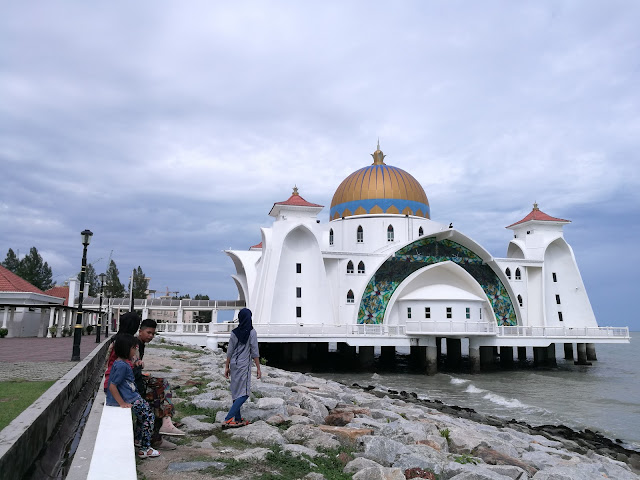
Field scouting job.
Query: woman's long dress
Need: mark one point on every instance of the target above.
(240, 356)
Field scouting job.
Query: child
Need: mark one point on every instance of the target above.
(122, 391)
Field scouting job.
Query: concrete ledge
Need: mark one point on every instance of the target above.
(115, 446)
(22, 441)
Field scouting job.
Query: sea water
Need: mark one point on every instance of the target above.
(604, 397)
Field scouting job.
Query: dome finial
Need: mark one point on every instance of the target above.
(378, 156)
(535, 205)
(295, 190)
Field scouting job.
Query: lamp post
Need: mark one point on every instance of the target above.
(101, 277)
(106, 324)
(86, 239)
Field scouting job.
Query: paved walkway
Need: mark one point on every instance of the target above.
(40, 358)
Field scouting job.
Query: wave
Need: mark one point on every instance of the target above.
(473, 389)
(458, 381)
(505, 402)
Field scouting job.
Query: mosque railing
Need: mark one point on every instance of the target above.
(595, 332)
(436, 327)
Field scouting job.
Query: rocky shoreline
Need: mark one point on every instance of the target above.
(379, 434)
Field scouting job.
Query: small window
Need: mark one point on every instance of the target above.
(390, 233)
(518, 276)
(331, 236)
(408, 312)
(427, 312)
(480, 313)
(360, 235)
(361, 267)
(520, 300)
(528, 232)
(560, 316)
(299, 312)
(350, 298)
(420, 232)
(350, 267)
(555, 278)
(449, 312)
(508, 272)
(558, 299)
(298, 292)
(298, 268)
(467, 312)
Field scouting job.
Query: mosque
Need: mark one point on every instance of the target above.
(382, 274)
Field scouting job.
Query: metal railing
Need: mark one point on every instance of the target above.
(598, 332)
(442, 327)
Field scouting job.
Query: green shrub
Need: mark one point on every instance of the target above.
(3, 332)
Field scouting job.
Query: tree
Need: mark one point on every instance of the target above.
(35, 271)
(92, 279)
(140, 284)
(204, 316)
(112, 286)
(11, 263)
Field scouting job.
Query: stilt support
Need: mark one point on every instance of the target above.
(432, 360)
(487, 358)
(474, 358)
(522, 354)
(365, 357)
(591, 352)
(551, 356)
(568, 351)
(506, 356)
(454, 352)
(582, 354)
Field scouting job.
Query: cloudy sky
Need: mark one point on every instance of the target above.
(169, 128)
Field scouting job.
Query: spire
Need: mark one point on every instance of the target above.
(378, 156)
(535, 206)
(295, 190)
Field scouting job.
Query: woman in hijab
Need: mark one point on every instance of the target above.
(243, 347)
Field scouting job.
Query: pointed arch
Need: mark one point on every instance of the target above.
(508, 273)
(360, 234)
(350, 267)
(518, 274)
(361, 267)
(420, 232)
(331, 236)
(520, 300)
(350, 297)
(390, 234)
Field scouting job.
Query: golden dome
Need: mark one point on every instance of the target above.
(377, 189)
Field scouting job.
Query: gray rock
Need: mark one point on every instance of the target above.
(299, 419)
(358, 464)
(259, 432)
(298, 450)
(310, 436)
(193, 424)
(194, 466)
(253, 454)
(480, 474)
(317, 411)
(382, 450)
(433, 463)
(511, 471)
(270, 403)
(314, 476)
(379, 473)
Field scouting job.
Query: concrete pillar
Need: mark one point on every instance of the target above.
(365, 356)
(5, 317)
(487, 359)
(347, 354)
(568, 351)
(540, 356)
(474, 357)
(299, 352)
(454, 352)
(522, 354)
(439, 346)
(551, 356)
(582, 354)
(431, 358)
(506, 356)
(145, 313)
(52, 318)
(180, 320)
(10, 324)
(388, 354)
(591, 352)
(418, 357)
(214, 316)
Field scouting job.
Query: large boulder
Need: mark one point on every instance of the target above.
(260, 433)
(379, 473)
(358, 464)
(310, 436)
(382, 450)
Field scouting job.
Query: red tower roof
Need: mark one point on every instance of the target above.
(60, 292)
(297, 200)
(10, 282)
(540, 216)
(259, 245)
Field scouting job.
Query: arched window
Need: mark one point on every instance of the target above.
(350, 267)
(420, 232)
(518, 276)
(520, 300)
(508, 272)
(390, 233)
(350, 296)
(361, 267)
(360, 235)
(331, 236)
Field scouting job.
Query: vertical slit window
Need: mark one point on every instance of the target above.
(558, 299)
(390, 233)
(518, 275)
(408, 312)
(331, 236)
(449, 312)
(298, 292)
(508, 272)
(298, 268)
(427, 312)
(520, 300)
(299, 312)
(360, 234)
(420, 232)
(555, 278)
(467, 313)
(560, 316)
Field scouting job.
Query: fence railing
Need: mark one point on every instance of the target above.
(411, 328)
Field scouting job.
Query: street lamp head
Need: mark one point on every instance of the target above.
(86, 237)
(102, 277)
